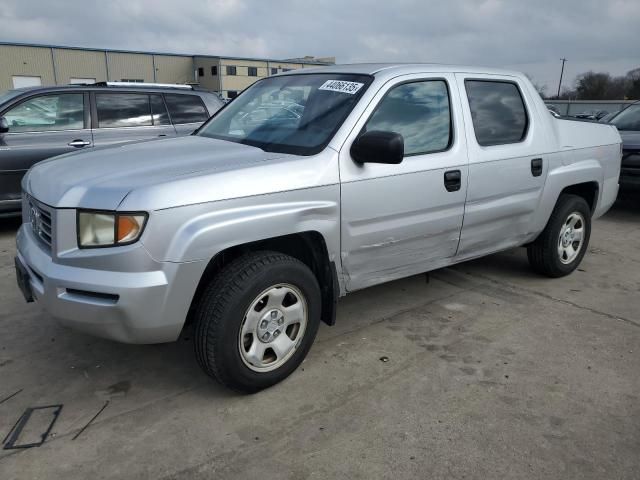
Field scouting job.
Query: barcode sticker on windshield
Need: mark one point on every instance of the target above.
(341, 86)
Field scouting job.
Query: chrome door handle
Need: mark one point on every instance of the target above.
(79, 143)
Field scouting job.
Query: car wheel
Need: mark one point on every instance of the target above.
(257, 320)
(561, 246)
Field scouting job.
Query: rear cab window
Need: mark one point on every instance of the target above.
(498, 112)
(186, 108)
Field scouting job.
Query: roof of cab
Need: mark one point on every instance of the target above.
(401, 68)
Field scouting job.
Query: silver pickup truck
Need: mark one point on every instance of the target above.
(308, 186)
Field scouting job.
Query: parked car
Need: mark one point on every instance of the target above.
(254, 234)
(41, 122)
(627, 122)
(591, 115)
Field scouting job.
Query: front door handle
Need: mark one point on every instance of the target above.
(536, 167)
(452, 180)
(78, 143)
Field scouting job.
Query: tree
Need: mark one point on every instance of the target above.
(632, 86)
(593, 86)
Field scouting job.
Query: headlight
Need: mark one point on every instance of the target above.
(108, 229)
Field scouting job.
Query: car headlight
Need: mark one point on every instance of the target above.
(109, 229)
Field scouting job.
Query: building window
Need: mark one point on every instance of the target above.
(274, 71)
(133, 80)
(232, 94)
(287, 69)
(252, 71)
(200, 71)
(81, 81)
(231, 70)
(214, 70)
(21, 81)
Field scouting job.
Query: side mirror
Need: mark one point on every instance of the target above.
(4, 125)
(378, 147)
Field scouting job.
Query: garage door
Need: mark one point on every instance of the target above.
(20, 81)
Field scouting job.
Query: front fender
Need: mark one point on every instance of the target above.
(199, 232)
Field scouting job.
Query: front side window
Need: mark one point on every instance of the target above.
(123, 110)
(186, 109)
(628, 119)
(498, 112)
(47, 113)
(420, 112)
(295, 114)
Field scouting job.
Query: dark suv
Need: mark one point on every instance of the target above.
(42, 122)
(628, 123)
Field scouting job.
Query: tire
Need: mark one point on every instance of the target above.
(554, 256)
(232, 343)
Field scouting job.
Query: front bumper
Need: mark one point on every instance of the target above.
(130, 307)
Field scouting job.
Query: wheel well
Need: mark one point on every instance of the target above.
(308, 247)
(588, 191)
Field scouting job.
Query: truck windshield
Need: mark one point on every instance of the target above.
(628, 119)
(297, 114)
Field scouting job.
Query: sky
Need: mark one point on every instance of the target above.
(526, 35)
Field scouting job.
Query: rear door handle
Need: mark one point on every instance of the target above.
(452, 180)
(78, 143)
(536, 167)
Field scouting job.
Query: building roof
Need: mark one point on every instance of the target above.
(112, 50)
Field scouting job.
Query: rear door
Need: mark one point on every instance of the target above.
(120, 117)
(507, 164)
(399, 220)
(187, 112)
(40, 127)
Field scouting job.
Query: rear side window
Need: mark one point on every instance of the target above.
(420, 112)
(498, 112)
(47, 113)
(186, 108)
(123, 110)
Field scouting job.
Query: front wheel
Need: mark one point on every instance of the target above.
(561, 246)
(257, 320)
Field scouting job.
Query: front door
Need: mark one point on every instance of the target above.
(40, 127)
(399, 220)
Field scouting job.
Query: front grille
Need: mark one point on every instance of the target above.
(40, 217)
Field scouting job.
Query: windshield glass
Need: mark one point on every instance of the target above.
(628, 119)
(296, 114)
(8, 94)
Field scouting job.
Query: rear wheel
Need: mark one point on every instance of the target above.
(561, 246)
(256, 320)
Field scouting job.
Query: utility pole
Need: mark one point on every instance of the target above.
(561, 72)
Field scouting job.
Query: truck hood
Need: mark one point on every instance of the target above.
(630, 140)
(102, 178)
